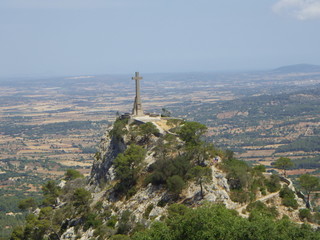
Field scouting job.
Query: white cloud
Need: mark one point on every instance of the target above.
(300, 9)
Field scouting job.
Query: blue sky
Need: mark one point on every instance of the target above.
(77, 37)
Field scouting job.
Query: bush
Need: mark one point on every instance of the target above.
(119, 129)
(239, 196)
(120, 237)
(92, 220)
(148, 129)
(26, 204)
(290, 202)
(175, 184)
(288, 198)
(72, 174)
(273, 184)
(112, 222)
(305, 214)
(286, 192)
(81, 197)
(260, 208)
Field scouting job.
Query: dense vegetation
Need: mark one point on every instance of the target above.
(10, 128)
(306, 144)
(217, 222)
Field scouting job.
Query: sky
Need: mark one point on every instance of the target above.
(91, 37)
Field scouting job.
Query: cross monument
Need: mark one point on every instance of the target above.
(137, 107)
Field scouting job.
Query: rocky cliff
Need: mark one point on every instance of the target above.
(140, 171)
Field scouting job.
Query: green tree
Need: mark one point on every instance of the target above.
(72, 174)
(81, 197)
(119, 128)
(51, 191)
(128, 165)
(147, 130)
(201, 175)
(191, 133)
(310, 184)
(284, 164)
(27, 204)
(175, 184)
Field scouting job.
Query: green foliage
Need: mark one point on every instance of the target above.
(17, 233)
(27, 204)
(217, 222)
(91, 220)
(72, 174)
(45, 213)
(273, 184)
(284, 164)
(259, 208)
(148, 129)
(237, 173)
(288, 198)
(309, 184)
(112, 222)
(201, 175)
(127, 167)
(119, 129)
(175, 184)
(166, 168)
(306, 144)
(259, 168)
(148, 210)
(191, 133)
(81, 197)
(240, 196)
(125, 224)
(309, 162)
(51, 191)
(305, 214)
(120, 237)
(286, 192)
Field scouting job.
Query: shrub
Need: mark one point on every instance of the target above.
(26, 204)
(305, 214)
(260, 208)
(290, 202)
(273, 184)
(288, 198)
(148, 210)
(81, 197)
(239, 196)
(175, 184)
(72, 174)
(148, 129)
(112, 221)
(119, 130)
(120, 237)
(92, 220)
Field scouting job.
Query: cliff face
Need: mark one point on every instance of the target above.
(102, 170)
(103, 174)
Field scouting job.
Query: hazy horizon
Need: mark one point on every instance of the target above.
(82, 37)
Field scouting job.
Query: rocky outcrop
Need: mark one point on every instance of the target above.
(102, 171)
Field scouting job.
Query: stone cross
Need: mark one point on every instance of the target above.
(137, 107)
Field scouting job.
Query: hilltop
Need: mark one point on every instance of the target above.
(160, 180)
(298, 68)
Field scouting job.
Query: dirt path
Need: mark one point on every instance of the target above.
(262, 199)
